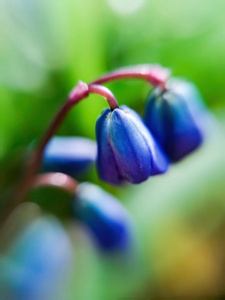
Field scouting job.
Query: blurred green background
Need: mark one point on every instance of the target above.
(45, 48)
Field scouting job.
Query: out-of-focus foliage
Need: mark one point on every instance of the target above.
(45, 48)
(180, 218)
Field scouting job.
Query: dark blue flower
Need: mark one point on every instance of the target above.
(175, 118)
(126, 149)
(69, 155)
(105, 217)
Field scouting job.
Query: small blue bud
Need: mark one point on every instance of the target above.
(105, 217)
(69, 155)
(175, 118)
(126, 148)
(37, 262)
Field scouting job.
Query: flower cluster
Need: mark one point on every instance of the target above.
(128, 149)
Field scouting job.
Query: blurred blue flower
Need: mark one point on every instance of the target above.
(126, 149)
(104, 216)
(37, 262)
(69, 155)
(176, 118)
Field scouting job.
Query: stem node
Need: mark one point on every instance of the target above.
(79, 92)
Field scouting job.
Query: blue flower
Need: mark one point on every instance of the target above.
(104, 216)
(69, 155)
(126, 149)
(175, 118)
(37, 261)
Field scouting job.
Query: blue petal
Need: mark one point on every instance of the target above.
(126, 149)
(38, 260)
(183, 134)
(106, 165)
(173, 118)
(154, 115)
(132, 153)
(105, 217)
(159, 161)
(70, 155)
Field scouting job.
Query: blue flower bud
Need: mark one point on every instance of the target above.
(175, 118)
(126, 148)
(37, 262)
(105, 217)
(69, 155)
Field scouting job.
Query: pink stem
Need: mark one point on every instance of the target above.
(153, 74)
(58, 180)
(80, 92)
(105, 93)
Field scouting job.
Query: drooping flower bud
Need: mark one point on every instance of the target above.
(69, 155)
(175, 118)
(37, 262)
(126, 149)
(104, 216)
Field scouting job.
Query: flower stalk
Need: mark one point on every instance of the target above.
(153, 74)
(81, 91)
(105, 93)
(57, 180)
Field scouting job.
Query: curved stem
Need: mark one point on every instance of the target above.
(153, 74)
(104, 92)
(80, 92)
(59, 180)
